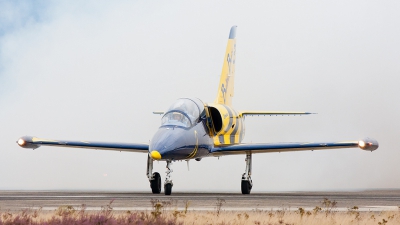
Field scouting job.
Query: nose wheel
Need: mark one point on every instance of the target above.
(247, 183)
(168, 182)
(168, 188)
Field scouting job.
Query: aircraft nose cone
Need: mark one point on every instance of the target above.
(155, 155)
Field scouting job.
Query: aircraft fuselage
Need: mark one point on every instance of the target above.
(190, 129)
(178, 143)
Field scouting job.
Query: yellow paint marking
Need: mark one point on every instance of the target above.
(191, 155)
(155, 155)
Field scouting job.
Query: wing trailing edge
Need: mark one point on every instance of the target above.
(34, 142)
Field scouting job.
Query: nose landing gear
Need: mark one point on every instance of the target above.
(247, 183)
(155, 178)
(168, 182)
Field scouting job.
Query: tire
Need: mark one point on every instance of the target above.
(168, 189)
(156, 183)
(246, 187)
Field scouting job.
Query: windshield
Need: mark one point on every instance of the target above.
(175, 119)
(184, 112)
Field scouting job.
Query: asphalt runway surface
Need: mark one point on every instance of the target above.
(377, 200)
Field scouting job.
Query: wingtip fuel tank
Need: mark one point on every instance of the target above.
(27, 142)
(368, 144)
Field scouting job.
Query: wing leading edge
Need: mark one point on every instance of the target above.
(34, 142)
(367, 144)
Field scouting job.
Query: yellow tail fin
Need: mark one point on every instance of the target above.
(226, 83)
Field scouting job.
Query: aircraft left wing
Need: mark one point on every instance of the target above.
(34, 142)
(367, 144)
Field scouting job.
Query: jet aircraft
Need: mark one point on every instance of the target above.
(193, 129)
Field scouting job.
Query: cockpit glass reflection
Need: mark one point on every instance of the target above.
(175, 119)
(184, 112)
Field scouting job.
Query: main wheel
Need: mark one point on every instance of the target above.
(168, 188)
(155, 184)
(246, 187)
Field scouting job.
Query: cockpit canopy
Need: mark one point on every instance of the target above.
(185, 112)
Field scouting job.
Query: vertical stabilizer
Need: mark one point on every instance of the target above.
(226, 83)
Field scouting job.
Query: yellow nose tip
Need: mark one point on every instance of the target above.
(155, 155)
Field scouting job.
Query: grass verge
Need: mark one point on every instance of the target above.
(163, 213)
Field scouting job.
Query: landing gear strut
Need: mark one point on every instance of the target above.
(154, 178)
(247, 184)
(168, 182)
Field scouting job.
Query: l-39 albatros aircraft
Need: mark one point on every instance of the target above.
(192, 129)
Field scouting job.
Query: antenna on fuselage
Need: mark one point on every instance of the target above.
(187, 161)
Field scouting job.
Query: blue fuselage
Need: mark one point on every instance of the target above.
(181, 143)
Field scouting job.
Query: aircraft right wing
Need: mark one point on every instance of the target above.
(367, 144)
(273, 113)
(34, 142)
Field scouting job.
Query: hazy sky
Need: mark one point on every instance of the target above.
(95, 70)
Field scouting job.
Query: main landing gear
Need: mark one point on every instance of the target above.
(247, 184)
(155, 184)
(155, 178)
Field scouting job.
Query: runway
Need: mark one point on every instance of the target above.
(377, 200)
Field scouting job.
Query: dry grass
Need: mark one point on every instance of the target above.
(289, 217)
(164, 213)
